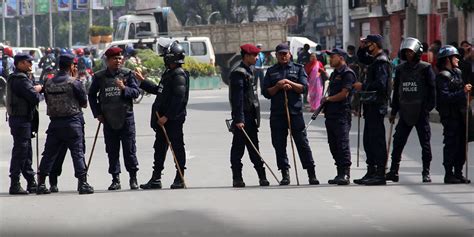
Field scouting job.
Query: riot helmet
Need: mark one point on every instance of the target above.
(412, 44)
(447, 51)
(173, 53)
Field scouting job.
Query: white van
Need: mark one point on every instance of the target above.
(38, 55)
(198, 48)
(297, 43)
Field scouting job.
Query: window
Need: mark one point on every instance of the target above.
(198, 49)
(131, 31)
(120, 31)
(143, 27)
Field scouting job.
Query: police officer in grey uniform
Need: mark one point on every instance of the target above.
(414, 96)
(246, 116)
(65, 97)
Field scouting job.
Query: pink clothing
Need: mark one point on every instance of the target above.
(315, 86)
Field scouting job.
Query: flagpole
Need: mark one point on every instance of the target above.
(3, 19)
(17, 24)
(33, 16)
(70, 23)
(50, 23)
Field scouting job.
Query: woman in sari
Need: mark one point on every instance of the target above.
(314, 68)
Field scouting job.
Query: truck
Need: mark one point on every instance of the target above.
(225, 38)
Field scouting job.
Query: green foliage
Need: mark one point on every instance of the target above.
(94, 30)
(196, 69)
(465, 5)
(100, 30)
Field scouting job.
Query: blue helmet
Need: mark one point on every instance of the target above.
(63, 51)
(447, 51)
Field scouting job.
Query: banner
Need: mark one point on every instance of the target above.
(98, 4)
(42, 6)
(63, 5)
(10, 8)
(80, 5)
(26, 7)
(118, 3)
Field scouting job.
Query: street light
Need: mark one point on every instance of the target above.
(210, 15)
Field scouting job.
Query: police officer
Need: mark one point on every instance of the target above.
(168, 110)
(451, 94)
(414, 96)
(337, 111)
(65, 97)
(22, 100)
(286, 76)
(245, 115)
(375, 101)
(116, 87)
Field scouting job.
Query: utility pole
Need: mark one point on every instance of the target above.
(18, 25)
(91, 17)
(345, 24)
(3, 20)
(111, 14)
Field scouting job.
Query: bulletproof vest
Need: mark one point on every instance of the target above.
(382, 96)
(16, 106)
(331, 90)
(61, 101)
(114, 106)
(411, 91)
(455, 84)
(251, 102)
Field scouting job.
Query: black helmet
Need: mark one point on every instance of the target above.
(173, 53)
(447, 51)
(412, 44)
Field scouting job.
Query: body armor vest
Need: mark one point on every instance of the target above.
(61, 101)
(114, 106)
(16, 106)
(251, 103)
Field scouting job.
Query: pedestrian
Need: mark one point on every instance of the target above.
(111, 99)
(304, 55)
(337, 111)
(451, 104)
(245, 116)
(375, 97)
(7, 62)
(316, 72)
(22, 100)
(168, 113)
(414, 96)
(65, 97)
(259, 67)
(286, 77)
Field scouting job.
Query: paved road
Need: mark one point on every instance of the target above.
(211, 207)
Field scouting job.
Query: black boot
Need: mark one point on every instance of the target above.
(53, 183)
(15, 187)
(392, 175)
(262, 177)
(115, 182)
(31, 185)
(379, 178)
(178, 182)
(342, 178)
(133, 180)
(83, 186)
(458, 174)
(41, 189)
(312, 180)
(425, 174)
(237, 180)
(154, 182)
(449, 177)
(370, 174)
(285, 174)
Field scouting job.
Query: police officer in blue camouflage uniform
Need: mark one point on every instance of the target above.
(376, 88)
(337, 111)
(286, 76)
(22, 101)
(414, 96)
(451, 93)
(65, 97)
(169, 111)
(245, 115)
(111, 99)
